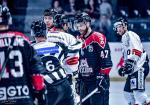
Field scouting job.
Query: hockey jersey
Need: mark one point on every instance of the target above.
(15, 83)
(94, 57)
(72, 47)
(133, 49)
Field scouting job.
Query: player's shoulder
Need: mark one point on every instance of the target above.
(99, 38)
(20, 34)
(131, 33)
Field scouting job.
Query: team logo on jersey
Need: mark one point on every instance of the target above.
(90, 48)
(133, 83)
(84, 68)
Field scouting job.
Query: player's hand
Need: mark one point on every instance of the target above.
(121, 72)
(129, 66)
(101, 82)
(41, 97)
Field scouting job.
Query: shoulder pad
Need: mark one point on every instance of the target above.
(100, 39)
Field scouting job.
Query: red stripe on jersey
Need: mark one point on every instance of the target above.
(19, 34)
(72, 61)
(105, 71)
(38, 82)
(95, 37)
(22, 35)
(136, 52)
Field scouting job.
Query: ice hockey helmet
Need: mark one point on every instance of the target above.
(120, 21)
(50, 12)
(82, 17)
(38, 28)
(5, 16)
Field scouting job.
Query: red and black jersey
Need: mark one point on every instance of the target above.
(95, 56)
(22, 64)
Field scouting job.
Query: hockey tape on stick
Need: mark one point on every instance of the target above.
(88, 96)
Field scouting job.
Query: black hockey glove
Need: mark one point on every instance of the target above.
(121, 72)
(41, 97)
(101, 82)
(129, 66)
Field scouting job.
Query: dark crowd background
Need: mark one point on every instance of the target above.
(103, 13)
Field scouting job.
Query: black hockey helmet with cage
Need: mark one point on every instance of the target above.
(82, 17)
(120, 21)
(50, 12)
(5, 16)
(38, 28)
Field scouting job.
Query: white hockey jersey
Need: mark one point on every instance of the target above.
(133, 49)
(71, 44)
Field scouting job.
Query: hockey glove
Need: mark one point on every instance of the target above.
(101, 82)
(129, 66)
(41, 97)
(121, 72)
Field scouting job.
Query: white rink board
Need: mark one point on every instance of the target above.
(116, 54)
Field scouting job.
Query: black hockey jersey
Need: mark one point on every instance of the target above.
(94, 57)
(15, 84)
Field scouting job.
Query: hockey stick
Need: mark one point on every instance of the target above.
(7, 54)
(88, 96)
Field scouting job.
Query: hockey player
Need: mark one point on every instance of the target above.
(20, 67)
(53, 57)
(70, 42)
(95, 63)
(48, 19)
(136, 64)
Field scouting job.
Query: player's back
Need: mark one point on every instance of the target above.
(52, 55)
(14, 84)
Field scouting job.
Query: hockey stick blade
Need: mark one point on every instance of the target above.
(88, 96)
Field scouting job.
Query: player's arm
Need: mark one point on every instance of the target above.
(37, 70)
(71, 61)
(134, 53)
(104, 58)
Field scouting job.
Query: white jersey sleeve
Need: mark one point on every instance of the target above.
(72, 45)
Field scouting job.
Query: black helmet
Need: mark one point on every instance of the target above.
(38, 28)
(64, 19)
(50, 12)
(82, 17)
(120, 21)
(57, 21)
(5, 16)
